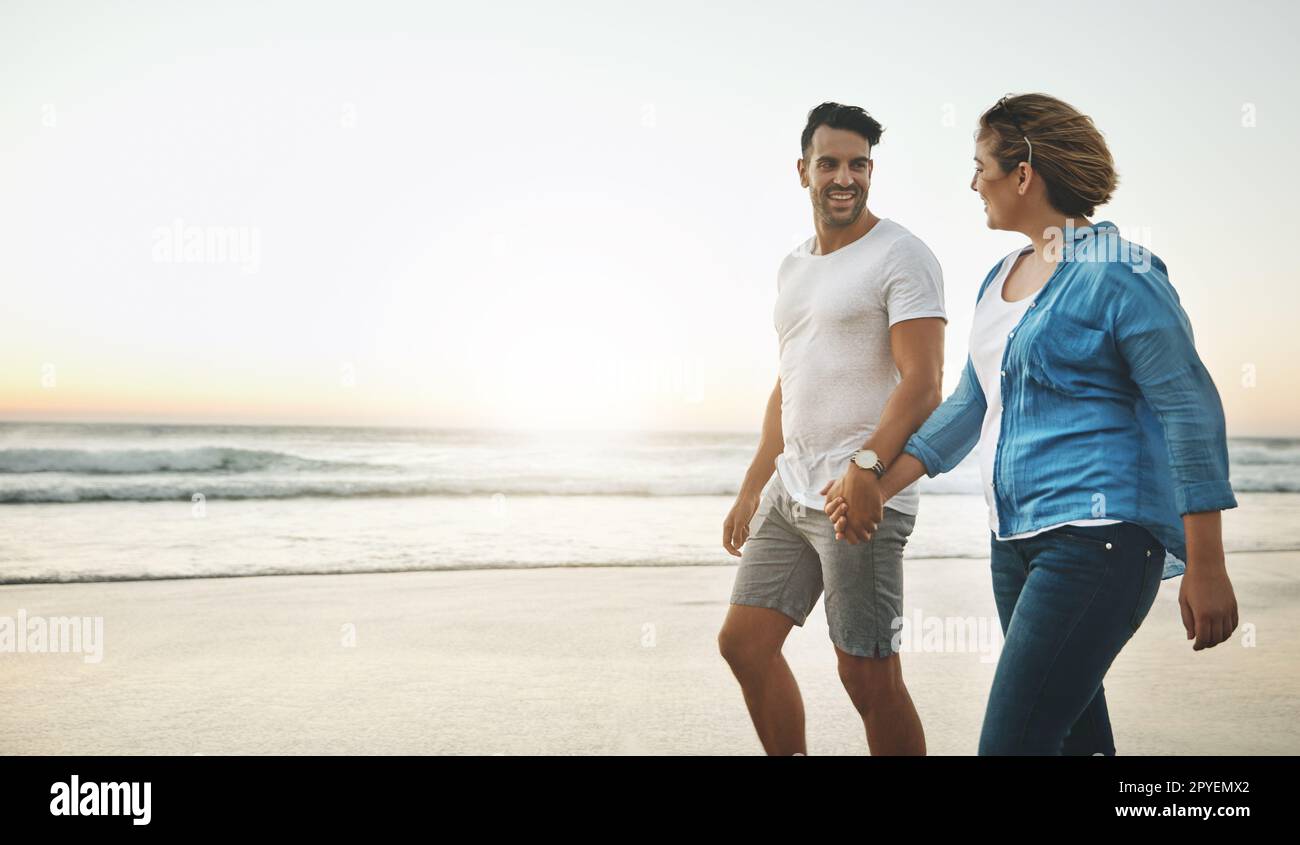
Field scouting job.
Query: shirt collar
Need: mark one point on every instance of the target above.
(1071, 236)
(1073, 233)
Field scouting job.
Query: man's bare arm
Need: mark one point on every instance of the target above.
(918, 353)
(855, 501)
(735, 528)
(770, 444)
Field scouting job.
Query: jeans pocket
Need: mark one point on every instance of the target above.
(1103, 543)
(1153, 566)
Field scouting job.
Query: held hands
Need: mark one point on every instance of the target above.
(855, 504)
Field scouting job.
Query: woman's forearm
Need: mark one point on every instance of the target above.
(1204, 532)
(903, 472)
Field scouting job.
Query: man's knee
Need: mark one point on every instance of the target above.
(752, 637)
(742, 653)
(870, 681)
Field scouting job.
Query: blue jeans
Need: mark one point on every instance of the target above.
(1069, 599)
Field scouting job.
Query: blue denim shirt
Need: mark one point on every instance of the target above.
(1107, 408)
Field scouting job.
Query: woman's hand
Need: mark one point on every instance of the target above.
(1205, 598)
(1208, 605)
(837, 509)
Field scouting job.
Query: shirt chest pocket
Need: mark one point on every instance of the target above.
(1071, 357)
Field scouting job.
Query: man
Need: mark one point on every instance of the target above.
(860, 320)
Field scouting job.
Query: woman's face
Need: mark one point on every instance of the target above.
(996, 188)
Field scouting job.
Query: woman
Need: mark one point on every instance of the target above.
(1101, 436)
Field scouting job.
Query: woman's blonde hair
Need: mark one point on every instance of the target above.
(1068, 151)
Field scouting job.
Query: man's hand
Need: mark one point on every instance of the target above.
(735, 528)
(854, 503)
(1208, 604)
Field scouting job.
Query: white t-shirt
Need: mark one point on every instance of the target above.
(995, 320)
(832, 317)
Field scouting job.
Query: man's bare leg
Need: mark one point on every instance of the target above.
(750, 641)
(876, 687)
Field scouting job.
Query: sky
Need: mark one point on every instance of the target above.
(570, 215)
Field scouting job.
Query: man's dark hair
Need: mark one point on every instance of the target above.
(837, 116)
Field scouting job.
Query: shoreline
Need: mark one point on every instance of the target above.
(506, 567)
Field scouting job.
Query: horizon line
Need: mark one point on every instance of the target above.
(458, 429)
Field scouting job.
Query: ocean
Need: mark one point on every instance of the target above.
(90, 502)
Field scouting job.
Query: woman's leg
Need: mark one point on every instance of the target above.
(1091, 734)
(1010, 569)
(1080, 603)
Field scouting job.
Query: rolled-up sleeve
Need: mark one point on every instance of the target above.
(1154, 337)
(953, 429)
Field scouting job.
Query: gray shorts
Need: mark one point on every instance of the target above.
(792, 554)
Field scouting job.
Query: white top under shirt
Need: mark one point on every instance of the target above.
(833, 314)
(995, 320)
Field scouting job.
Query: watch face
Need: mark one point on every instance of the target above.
(866, 459)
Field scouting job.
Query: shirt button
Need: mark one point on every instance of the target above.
(1108, 545)
(1013, 334)
(1032, 304)
(1004, 373)
(1148, 553)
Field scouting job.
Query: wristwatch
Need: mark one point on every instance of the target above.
(868, 459)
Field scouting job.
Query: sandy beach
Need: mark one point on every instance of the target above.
(593, 660)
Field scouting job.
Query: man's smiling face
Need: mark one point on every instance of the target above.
(837, 173)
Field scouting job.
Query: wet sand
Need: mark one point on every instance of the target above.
(592, 660)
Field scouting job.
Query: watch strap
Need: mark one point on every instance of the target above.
(878, 469)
